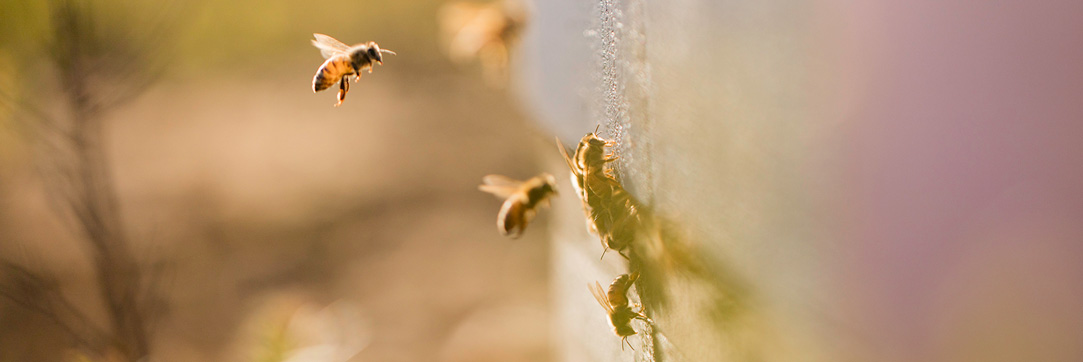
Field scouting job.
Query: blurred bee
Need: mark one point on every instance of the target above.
(487, 32)
(611, 212)
(616, 304)
(521, 200)
(342, 62)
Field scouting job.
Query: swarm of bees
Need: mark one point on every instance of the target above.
(521, 199)
(611, 213)
(617, 307)
(342, 62)
(484, 32)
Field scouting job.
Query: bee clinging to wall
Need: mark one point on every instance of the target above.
(616, 304)
(587, 165)
(342, 62)
(588, 162)
(611, 212)
(521, 200)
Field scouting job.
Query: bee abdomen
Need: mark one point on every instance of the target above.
(512, 218)
(330, 73)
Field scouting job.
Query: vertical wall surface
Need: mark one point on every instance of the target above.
(709, 106)
(821, 180)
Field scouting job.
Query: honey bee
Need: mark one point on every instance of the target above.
(611, 212)
(588, 162)
(486, 32)
(616, 304)
(342, 62)
(521, 200)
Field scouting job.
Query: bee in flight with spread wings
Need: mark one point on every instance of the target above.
(521, 200)
(342, 62)
(488, 32)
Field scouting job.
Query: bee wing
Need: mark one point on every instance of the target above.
(501, 186)
(567, 158)
(576, 176)
(329, 46)
(600, 296)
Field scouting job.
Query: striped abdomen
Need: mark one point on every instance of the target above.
(331, 72)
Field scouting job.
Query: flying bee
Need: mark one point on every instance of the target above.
(487, 32)
(521, 200)
(616, 304)
(342, 62)
(610, 210)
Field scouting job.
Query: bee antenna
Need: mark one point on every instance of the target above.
(387, 51)
(597, 127)
(603, 253)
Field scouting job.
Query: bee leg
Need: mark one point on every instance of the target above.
(642, 317)
(623, 341)
(343, 87)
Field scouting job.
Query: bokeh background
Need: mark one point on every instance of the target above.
(825, 181)
(250, 202)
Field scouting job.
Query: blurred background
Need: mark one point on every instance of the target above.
(245, 200)
(827, 181)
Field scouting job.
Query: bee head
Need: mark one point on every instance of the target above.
(550, 183)
(595, 141)
(373, 52)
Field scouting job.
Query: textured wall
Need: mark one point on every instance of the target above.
(707, 102)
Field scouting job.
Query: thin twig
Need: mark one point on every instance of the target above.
(50, 303)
